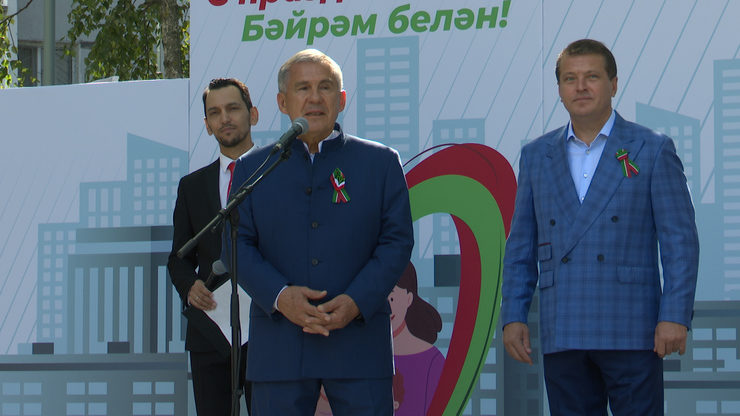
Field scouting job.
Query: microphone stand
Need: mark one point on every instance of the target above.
(214, 225)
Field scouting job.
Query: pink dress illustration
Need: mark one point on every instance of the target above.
(415, 325)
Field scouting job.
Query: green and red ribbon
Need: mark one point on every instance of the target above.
(629, 167)
(338, 182)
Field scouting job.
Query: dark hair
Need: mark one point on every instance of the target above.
(218, 83)
(588, 47)
(422, 320)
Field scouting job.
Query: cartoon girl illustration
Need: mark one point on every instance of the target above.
(415, 326)
(418, 362)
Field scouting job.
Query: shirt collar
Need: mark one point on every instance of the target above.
(606, 130)
(334, 134)
(224, 160)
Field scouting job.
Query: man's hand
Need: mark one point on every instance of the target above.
(516, 341)
(669, 338)
(293, 302)
(200, 297)
(341, 311)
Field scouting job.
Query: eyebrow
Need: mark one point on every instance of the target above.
(322, 81)
(230, 103)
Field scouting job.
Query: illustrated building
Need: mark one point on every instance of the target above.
(104, 279)
(727, 167)
(110, 336)
(388, 92)
(94, 385)
(685, 134)
(706, 379)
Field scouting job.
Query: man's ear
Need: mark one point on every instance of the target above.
(254, 116)
(281, 103)
(342, 100)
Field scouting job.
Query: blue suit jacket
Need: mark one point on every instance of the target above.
(597, 262)
(291, 233)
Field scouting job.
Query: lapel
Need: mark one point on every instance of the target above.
(607, 178)
(562, 180)
(213, 198)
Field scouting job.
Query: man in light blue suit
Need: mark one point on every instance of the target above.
(599, 202)
(322, 241)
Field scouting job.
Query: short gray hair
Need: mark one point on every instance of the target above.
(313, 56)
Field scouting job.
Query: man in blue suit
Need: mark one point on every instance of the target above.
(598, 201)
(322, 241)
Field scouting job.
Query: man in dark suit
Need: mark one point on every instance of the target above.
(599, 201)
(319, 269)
(229, 115)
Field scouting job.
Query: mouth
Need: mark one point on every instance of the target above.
(315, 113)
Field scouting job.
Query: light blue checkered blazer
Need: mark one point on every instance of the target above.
(597, 262)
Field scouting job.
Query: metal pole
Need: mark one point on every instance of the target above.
(12, 8)
(47, 74)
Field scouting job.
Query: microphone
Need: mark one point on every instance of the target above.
(300, 126)
(217, 270)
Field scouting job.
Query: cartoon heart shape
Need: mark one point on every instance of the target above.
(475, 185)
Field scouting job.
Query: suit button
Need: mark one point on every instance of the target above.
(315, 225)
(615, 218)
(565, 259)
(600, 257)
(552, 222)
(314, 262)
(308, 191)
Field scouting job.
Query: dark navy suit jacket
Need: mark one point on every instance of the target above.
(197, 203)
(292, 233)
(597, 262)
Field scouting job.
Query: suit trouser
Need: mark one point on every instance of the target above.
(583, 383)
(347, 397)
(212, 382)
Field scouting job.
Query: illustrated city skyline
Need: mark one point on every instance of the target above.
(107, 312)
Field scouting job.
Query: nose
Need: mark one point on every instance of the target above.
(581, 83)
(314, 95)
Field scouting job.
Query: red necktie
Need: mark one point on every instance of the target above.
(231, 176)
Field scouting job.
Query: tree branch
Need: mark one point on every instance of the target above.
(7, 18)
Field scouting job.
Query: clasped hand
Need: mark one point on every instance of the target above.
(200, 297)
(294, 303)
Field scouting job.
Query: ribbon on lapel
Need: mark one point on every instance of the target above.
(629, 167)
(338, 182)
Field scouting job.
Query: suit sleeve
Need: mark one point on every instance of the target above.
(182, 271)
(371, 286)
(675, 225)
(520, 262)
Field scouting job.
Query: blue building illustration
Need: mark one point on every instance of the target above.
(706, 379)
(727, 168)
(92, 274)
(388, 92)
(685, 134)
(108, 317)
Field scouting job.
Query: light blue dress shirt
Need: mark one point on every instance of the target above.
(583, 158)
